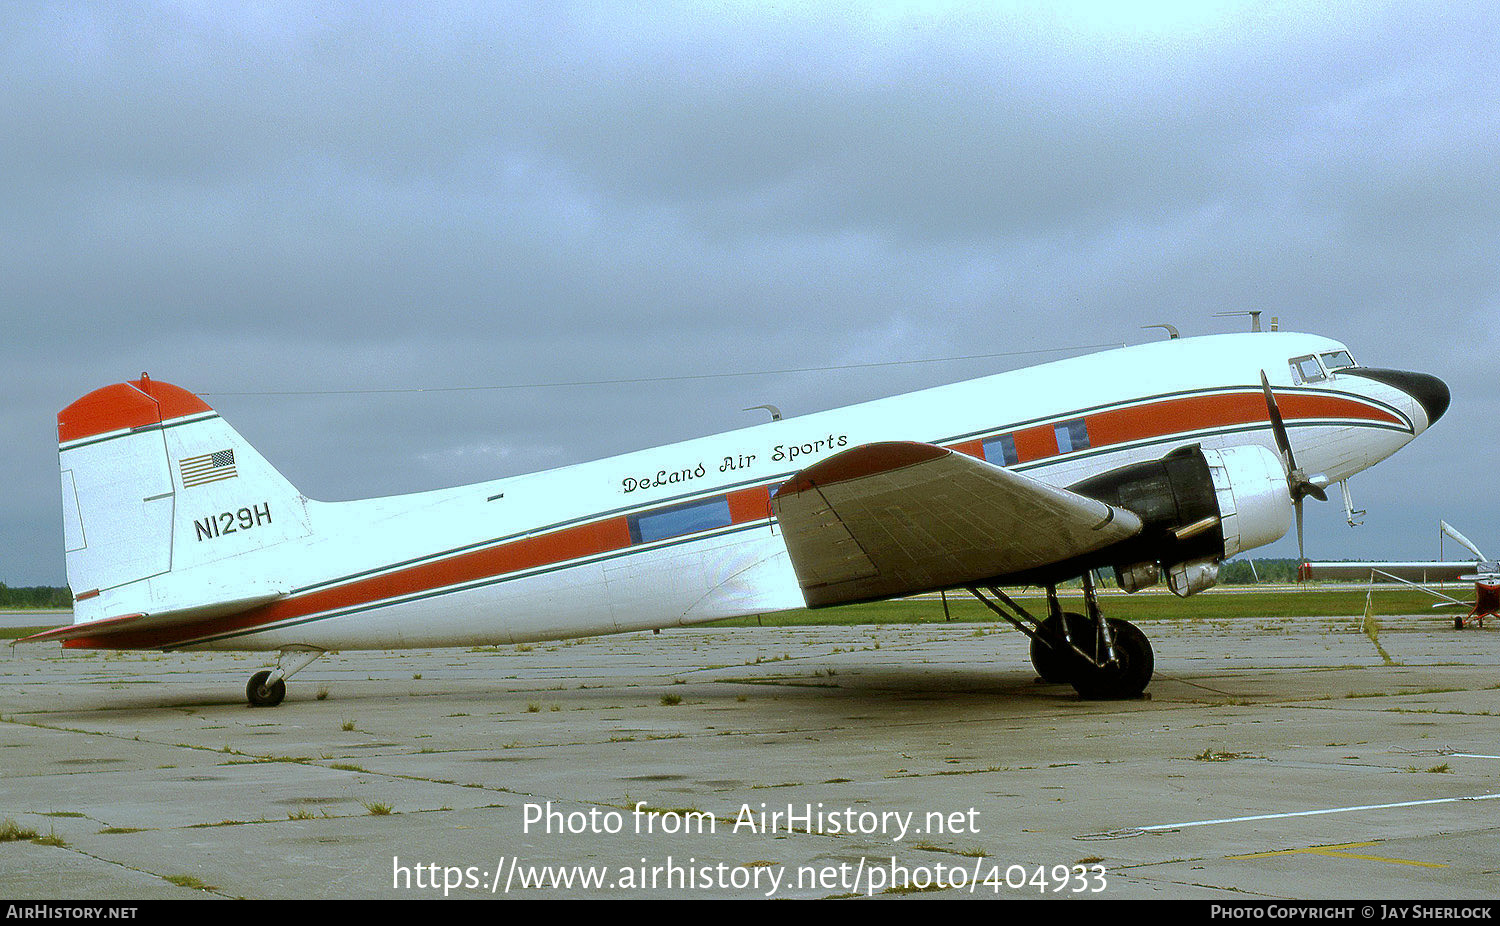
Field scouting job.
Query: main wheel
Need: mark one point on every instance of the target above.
(262, 695)
(1125, 678)
(1057, 664)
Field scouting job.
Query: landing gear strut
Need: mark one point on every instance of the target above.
(267, 688)
(1102, 658)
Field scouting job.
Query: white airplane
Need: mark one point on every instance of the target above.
(1482, 571)
(1164, 458)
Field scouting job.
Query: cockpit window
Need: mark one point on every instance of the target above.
(1337, 360)
(1307, 370)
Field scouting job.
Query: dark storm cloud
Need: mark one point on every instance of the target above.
(287, 198)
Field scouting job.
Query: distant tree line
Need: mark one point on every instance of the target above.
(35, 596)
(1241, 572)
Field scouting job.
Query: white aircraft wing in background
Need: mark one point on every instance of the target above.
(1483, 572)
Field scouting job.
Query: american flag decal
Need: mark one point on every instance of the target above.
(210, 467)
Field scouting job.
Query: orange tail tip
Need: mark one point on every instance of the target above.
(124, 406)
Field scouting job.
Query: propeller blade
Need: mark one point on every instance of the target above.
(1301, 550)
(1451, 531)
(1278, 427)
(1297, 481)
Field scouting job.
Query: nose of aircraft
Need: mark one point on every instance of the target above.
(1430, 392)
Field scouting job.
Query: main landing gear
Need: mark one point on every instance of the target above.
(1102, 658)
(268, 687)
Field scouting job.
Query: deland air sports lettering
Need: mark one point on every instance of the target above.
(779, 453)
(232, 522)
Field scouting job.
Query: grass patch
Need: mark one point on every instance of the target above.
(11, 831)
(16, 633)
(1371, 627)
(1208, 755)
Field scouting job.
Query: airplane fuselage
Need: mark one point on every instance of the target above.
(683, 534)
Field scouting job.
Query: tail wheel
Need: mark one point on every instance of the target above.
(1127, 676)
(262, 695)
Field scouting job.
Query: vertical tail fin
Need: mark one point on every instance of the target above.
(158, 493)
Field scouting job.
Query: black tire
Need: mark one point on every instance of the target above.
(1056, 664)
(259, 694)
(1128, 677)
(1458, 623)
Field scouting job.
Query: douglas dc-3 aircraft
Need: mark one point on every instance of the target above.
(1160, 459)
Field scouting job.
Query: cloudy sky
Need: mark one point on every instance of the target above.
(336, 220)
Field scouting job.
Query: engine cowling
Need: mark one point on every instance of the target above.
(1199, 506)
(1255, 506)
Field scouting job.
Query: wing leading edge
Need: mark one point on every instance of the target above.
(888, 519)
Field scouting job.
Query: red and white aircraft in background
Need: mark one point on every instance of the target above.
(1160, 459)
(1482, 571)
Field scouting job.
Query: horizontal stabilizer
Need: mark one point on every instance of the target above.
(889, 519)
(175, 617)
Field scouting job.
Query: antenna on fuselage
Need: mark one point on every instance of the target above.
(1254, 318)
(775, 412)
(1171, 332)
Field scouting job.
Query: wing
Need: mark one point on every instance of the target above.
(1412, 575)
(889, 519)
(1407, 572)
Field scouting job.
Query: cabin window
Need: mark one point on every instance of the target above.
(1072, 435)
(1337, 360)
(1307, 370)
(676, 520)
(1002, 450)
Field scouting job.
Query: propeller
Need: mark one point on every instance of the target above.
(1299, 483)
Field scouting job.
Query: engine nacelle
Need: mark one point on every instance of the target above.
(1255, 507)
(1199, 507)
